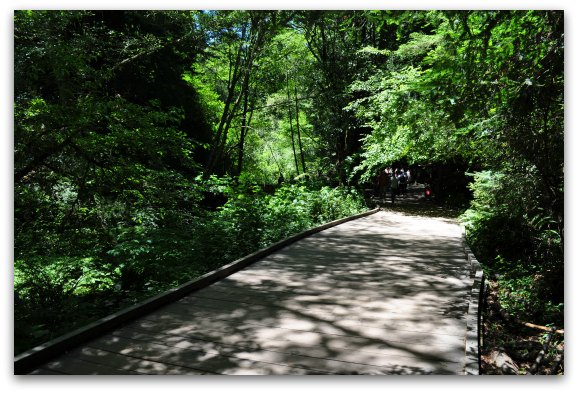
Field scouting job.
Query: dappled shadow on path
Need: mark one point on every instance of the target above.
(386, 294)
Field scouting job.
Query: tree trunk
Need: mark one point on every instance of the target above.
(291, 125)
(252, 48)
(234, 76)
(299, 132)
(244, 129)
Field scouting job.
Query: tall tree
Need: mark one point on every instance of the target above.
(244, 36)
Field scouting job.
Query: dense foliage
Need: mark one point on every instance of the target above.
(146, 140)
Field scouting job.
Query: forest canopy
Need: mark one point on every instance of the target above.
(145, 140)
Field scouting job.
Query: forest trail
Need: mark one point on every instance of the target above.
(384, 294)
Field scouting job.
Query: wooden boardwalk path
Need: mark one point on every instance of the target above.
(383, 294)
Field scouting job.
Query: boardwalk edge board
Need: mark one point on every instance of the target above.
(473, 318)
(36, 356)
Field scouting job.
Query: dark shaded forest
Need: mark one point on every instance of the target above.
(151, 147)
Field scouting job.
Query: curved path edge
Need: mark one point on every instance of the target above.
(474, 316)
(28, 360)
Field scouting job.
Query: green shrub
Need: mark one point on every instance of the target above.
(520, 297)
(294, 208)
(516, 240)
(54, 295)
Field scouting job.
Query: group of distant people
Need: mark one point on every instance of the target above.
(394, 180)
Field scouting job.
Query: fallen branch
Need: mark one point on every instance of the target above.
(510, 318)
(544, 328)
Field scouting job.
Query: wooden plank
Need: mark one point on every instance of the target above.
(128, 363)
(77, 366)
(292, 322)
(207, 359)
(374, 264)
(446, 346)
(43, 371)
(238, 312)
(316, 282)
(279, 283)
(321, 285)
(334, 345)
(382, 288)
(348, 363)
(353, 273)
(428, 306)
(362, 254)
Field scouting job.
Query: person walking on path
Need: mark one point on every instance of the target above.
(382, 183)
(402, 183)
(393, 187)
